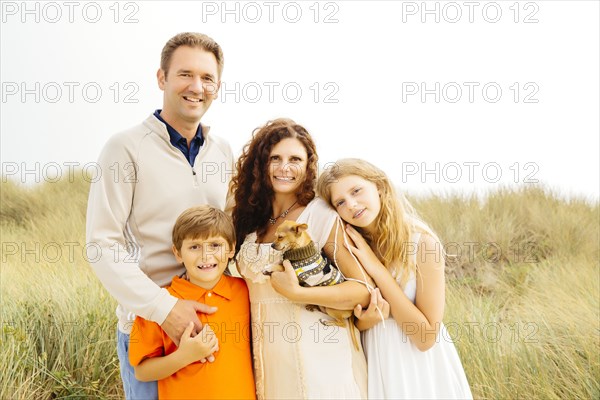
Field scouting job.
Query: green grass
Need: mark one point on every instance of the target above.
(522, 296)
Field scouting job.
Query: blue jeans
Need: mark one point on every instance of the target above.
(134, 389)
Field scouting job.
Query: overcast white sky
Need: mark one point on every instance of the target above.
(517, 83)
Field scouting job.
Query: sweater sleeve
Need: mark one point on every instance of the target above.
(109, 206)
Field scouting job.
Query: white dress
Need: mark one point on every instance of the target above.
(399, 370)
(295, 356)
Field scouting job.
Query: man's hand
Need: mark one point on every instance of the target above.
(181, 315)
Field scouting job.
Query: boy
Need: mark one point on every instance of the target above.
(204, 241)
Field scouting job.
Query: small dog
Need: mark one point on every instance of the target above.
(312, 268)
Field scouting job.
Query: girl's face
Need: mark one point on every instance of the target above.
(356, 200)
(288, 161)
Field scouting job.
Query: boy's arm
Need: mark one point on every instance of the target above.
(191, 349)
(156, 368)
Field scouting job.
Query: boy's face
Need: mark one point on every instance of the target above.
(204, 259)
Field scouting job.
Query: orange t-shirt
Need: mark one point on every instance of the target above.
(230, 376)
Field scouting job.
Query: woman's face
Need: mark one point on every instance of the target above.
(288, 161)
(356, 200)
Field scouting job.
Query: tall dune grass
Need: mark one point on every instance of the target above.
(58, 324)
(522, 297)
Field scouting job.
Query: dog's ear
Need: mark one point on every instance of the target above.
(300, 228)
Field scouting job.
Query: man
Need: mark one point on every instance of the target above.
(149, 175)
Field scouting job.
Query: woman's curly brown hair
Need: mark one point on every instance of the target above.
(251, 185)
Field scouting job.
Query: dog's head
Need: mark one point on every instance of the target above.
(290, 235)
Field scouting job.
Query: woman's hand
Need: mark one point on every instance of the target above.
(370, 317)
(363, 251)
(286, 283)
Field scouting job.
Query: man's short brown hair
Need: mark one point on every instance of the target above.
(191, 39)
(203, 222)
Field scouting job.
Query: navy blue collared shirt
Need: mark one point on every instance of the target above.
(181, 143)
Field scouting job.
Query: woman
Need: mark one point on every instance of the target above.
(295, 355)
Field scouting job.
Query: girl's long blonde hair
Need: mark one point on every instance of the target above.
(396, 222)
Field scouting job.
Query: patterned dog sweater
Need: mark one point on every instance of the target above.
(312, 268)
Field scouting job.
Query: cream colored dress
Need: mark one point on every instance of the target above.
(295, 356)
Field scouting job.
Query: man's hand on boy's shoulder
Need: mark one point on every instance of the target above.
(180, 316)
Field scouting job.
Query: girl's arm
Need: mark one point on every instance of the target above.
(420, 321)
(343, 296)
(366, 319)
(191, 349)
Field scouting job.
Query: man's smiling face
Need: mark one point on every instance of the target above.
(190, 85)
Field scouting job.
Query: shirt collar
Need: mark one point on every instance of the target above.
(176, 136)
(188, 290)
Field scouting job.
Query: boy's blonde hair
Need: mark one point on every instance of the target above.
(202, 222)
(396, 221)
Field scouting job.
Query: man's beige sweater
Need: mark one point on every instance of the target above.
(143, 184)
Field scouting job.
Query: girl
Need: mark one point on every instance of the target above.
(409, 355)
(295, 356)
